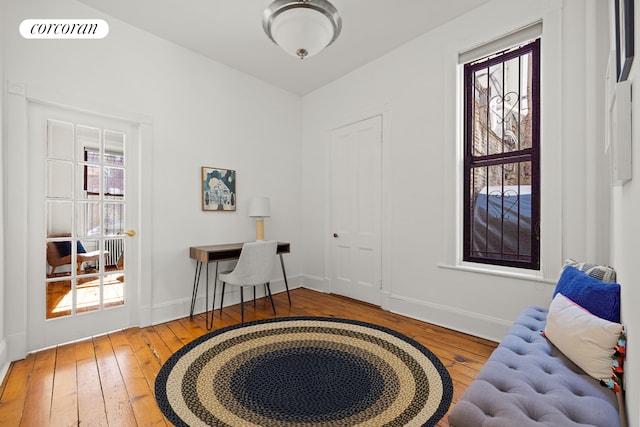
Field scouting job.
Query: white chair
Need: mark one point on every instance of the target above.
(254, 268)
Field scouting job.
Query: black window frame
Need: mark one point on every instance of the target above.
(86, 171)
(523, 155)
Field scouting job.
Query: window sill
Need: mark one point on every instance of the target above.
(493, 271)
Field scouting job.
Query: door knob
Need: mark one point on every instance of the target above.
(129, 233)
(335, 235)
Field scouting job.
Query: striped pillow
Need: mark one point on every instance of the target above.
(604, 273)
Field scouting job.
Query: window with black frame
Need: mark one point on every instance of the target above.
(502, 158)
(113, 174)
(106, 170)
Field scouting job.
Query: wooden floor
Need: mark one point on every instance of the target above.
(108, 380)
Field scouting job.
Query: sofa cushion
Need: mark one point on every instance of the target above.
(599, 298)
(587, 340)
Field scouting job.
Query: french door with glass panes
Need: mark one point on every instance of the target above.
(84, 223)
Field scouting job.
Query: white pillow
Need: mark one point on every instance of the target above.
(587, 340)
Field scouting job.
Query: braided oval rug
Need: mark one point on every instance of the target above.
(304, 371)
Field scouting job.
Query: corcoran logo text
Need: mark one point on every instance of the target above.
(64, 29)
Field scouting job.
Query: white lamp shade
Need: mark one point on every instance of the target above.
(259, 207)
(302, 29)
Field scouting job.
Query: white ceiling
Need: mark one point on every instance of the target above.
(230, 32)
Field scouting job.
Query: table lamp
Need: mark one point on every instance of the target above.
(259, 208)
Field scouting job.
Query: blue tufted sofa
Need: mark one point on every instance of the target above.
(528, 382)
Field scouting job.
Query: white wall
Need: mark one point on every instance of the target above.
(417, 83)
(625, 206)
(4, 360)
(416, 87)
(203, 114)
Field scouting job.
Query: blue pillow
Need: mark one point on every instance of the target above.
(64, 248)
(599, 298)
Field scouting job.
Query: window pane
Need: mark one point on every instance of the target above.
(91, 180)
(480, 112)
(59, 216)
(59, 140)
(501, 212)
(89, 258)
(59, 298)
(114, 279)
(113, 181)
(88, 143)
(494, 119)
(88, 219)
(88, 294)
(59, 179)
(90, 263)
(59, 256)
(113, 218)
(516, 120)
(114, 251)
(113, 148)
(526, 93)
(501, 116)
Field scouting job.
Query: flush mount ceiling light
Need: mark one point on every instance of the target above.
(302, 28)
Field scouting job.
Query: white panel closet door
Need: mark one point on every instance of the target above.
(356, 208)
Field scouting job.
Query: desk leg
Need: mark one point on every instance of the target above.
(284, 273)
(196, 281)
(209, 322)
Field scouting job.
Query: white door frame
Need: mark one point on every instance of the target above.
(384, 111)
(16, 185)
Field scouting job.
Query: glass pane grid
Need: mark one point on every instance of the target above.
(90, 277)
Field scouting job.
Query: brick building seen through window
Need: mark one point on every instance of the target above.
(113, 187)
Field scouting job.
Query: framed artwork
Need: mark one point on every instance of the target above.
(218, 189)
(624, 37)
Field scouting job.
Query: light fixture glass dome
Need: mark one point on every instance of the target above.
(302, 28)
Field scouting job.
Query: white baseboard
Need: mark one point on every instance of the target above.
(385, 300)
(4, 360)
(145, 316)
(173, 310)
(479, 325)
(16, 346)
(316, 283)
(468, 322)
